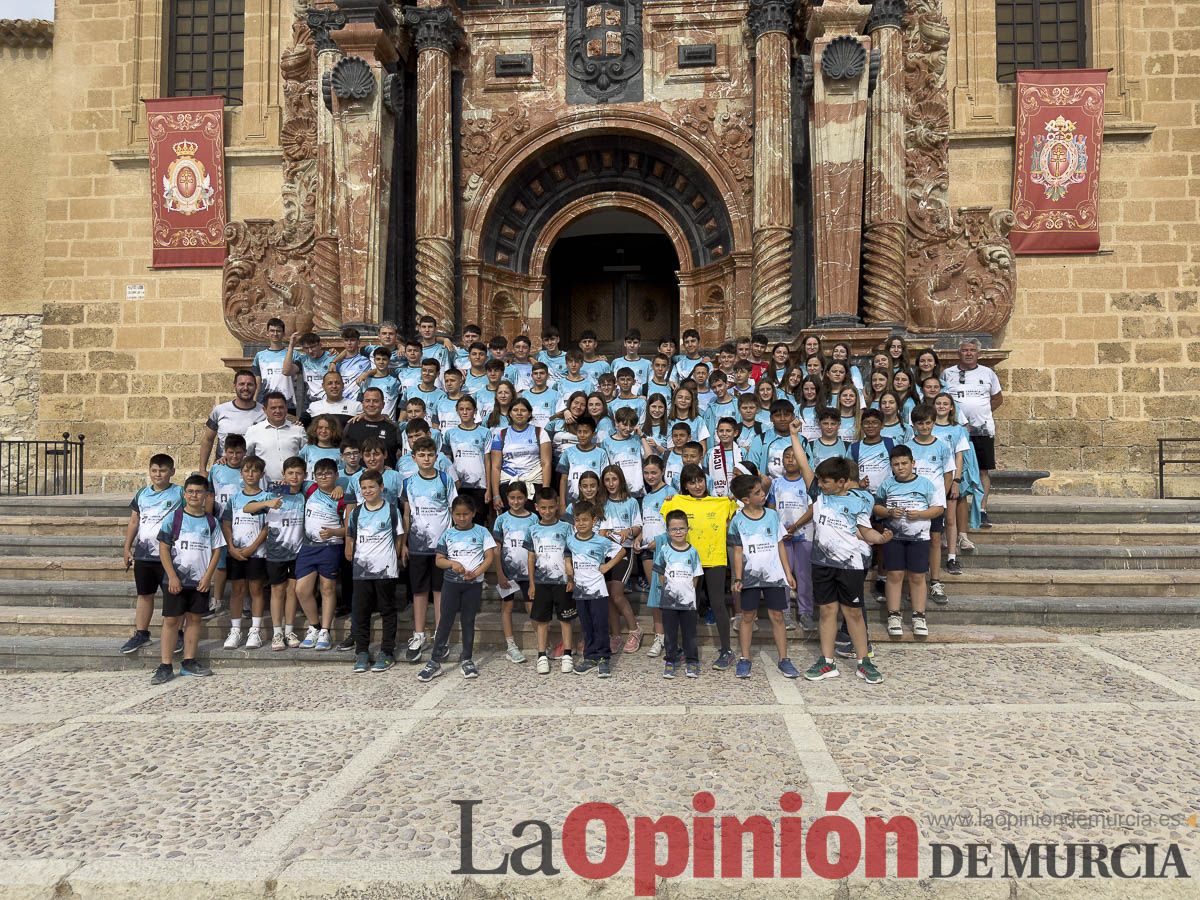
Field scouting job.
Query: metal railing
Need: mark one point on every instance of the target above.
(41, 468)
(1188, 463)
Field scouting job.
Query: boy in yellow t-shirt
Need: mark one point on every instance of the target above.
(708, 524)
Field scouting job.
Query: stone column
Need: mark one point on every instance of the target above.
(362, 155)
(838, 122)
(435, 34)
(885, 235)
(770, 22)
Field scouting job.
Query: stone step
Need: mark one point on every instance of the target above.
(68, 505)
(1107, 534)
(92, 569)
(1012, 509)
(67, 593)
(63, 526)
(1040, 583)
(1040, 556)
(78, 545)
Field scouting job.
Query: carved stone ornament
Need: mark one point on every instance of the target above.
(765, 16)
(844, 59)
(323, 21)
(393, 92)
(604, 49)
(804, 74)
(960, 268)
(327, 90)
(484, 139)
(269, 271)
(434, 28)
(873, 69)
(730, 132)
(886, 14)
(353, 78)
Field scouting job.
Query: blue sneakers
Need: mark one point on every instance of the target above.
(743, 668)
(723, 661)
(362, 662)
(139, 640)
(604, 669)
(787, 669)
(584, 666)
(431, 671)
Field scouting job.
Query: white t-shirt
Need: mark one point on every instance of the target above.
(973, 391)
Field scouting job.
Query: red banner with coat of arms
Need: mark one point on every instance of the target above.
(1060, 129)
(187, 181)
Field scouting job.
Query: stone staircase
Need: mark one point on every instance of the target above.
(66, 600)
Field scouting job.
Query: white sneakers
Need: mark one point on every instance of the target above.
(965, 543)
(568, 664)
(234, 640)
(543, 665)
(254, 638)
(656, 648)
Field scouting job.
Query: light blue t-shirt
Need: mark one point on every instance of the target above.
(716, 410)
(587, 556)
(520, 452)
(759, 539)
(245, 527)
(818, 452)
(575, 461)
(594, 369)
(933, 461)
(511, 534)
(899, 433)
(620, 515)
(548, 544)
(520, 374)
(698, 430)
(437, 351)
(310, 453)
(916, 494)
(313, 372)
(152, 507)
(836, 520)
(350, 368)
(393, 483)
(473, 384)
(433, 403)
(285, 527)
(675, 572)
(544, 405)
(447, 412)
(682, 369)
(789, 497)
(557, 364)
(410, 377)
(468, 547)
(468, 449)
(637, 404)
(268, 366)
(392, 391)
(627, 454)
(640, 367)
(766, 451)
(374, 532)
(199, 537)
(653, 523)
(874, 461)
(428, 501)
(226, 481)
(321, 511)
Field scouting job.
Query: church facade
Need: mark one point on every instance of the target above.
(728, 166)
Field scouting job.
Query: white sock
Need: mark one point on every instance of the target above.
(235, 623)
(256, 622)
(828, 660)
(511, 642)
(277, 629)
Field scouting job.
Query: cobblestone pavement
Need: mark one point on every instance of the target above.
(316, 782)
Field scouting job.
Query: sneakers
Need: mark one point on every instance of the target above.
(385, 662)
(254, 639)
(657, 647)
(514, 654)
(789, 622)
(723, 661)
(468, 668)
(543, 665)
(880, 594)
(179, 642)
(584, 666)
(736, 622)
(919, 625)
(692, 670)
(844, 649)
(194, 668)
(323, 641)
(984, 521)
(867, 671)
(807, 622)
(431, 671)
(633, 643)
(787, 669)
(139, 640)
(162, 674)
(952, 566)
(440, 656)
(214, 609)
(310, 638)
(567, 664)
(823, 668)
(291, 639)
(416, 644)
(710, 618)
(937, 593)
(604, 669)
(965, 543)
(234, 640)
(743, 668)
(362, 662)
(345, 644)
(278, 642)
(669, 669)
(895, 625)
(615, 641)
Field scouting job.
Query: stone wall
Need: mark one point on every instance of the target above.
(1106, 348)
(21, 338)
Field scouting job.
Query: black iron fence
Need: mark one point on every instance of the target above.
(1179, 465)
(40, 468)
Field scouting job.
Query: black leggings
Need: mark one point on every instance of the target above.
(713, 582)
(458, 599)
(374, 596)
(685, 620)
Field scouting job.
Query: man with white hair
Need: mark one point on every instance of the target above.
(976, 393)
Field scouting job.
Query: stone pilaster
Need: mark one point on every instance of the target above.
(885, 236)
(771, 291)
(839, 122)
(362, 155)
(436, 33)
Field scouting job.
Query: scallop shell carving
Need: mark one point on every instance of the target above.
(353, 79)
(844, 59)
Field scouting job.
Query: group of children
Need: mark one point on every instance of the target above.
(574, 480)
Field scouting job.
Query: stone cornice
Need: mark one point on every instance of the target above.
(26, 33)
(766, 16)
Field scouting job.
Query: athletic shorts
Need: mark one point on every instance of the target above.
(280, 572)
(771, 597)
(644, 555)
(148, 577)
(189, 600)
(521, 594)
(985, 451)
(906, 556)
(424, 576)
(252, 569)
(936, 526)
(553, 599)
(324, 559)
(841, 586)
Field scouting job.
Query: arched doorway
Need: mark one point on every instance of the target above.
(609, 271)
